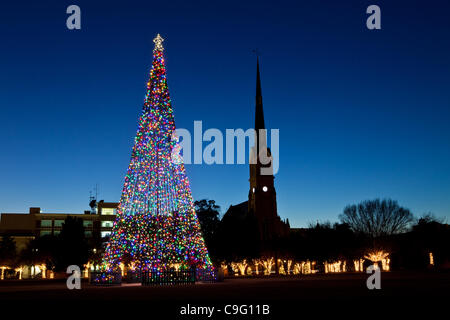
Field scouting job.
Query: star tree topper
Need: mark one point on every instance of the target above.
(158, 43)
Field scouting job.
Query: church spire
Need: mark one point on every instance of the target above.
(259, 114)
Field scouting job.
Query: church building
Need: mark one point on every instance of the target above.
(261, 208)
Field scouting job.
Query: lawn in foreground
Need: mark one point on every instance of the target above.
(331, 293)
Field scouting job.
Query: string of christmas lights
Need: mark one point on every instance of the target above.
(156, 227)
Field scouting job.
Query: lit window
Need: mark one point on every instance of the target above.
(87, 223)
(105, 234)
(265, 189)
(108, 211)
(88, 233)
(45, 232)
(107, 224)
(46, 223)
(59, 223)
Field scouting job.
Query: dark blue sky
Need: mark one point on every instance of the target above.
(362, 114)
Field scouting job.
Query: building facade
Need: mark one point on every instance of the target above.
(23, 227)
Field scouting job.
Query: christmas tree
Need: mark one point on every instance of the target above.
(156, 228)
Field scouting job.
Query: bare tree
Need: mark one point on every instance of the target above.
(377, 217)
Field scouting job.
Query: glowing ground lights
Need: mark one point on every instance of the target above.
(156, 228)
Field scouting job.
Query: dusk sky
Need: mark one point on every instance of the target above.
(362, 113)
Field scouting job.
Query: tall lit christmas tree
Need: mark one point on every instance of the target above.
(156, 227)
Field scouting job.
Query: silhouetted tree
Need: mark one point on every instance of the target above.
(72, 245)
(320, 239)
(46, 250)
(208, 216)
(30, 254)
(377, 218)
(96, 248)
(326, 242)
(432, 235)
(7, 251)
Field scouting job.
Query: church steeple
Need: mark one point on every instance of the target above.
(259, 114)
(262, 199)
